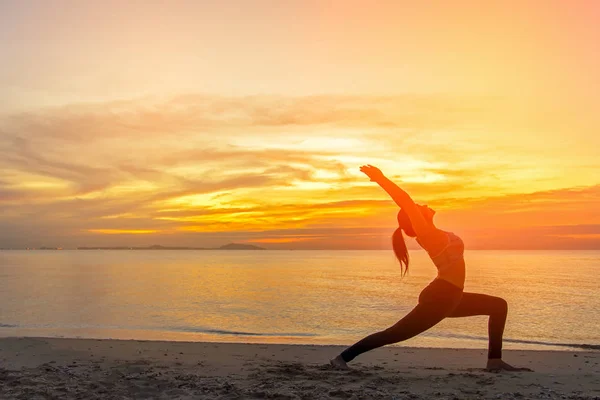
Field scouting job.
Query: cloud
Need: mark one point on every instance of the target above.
(194, 164)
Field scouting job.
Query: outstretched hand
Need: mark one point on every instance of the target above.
(372, 172)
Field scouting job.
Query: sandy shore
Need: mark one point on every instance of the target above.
(39, 368)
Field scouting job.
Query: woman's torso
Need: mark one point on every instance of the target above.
(450, 261)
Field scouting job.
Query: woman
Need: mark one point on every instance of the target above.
(444, 297)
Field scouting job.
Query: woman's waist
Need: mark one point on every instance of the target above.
(441, 291)
(455, 280)
(454, 273)
(447, 265)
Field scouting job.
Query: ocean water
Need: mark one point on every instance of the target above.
(302, 297)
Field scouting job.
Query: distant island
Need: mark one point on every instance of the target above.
(230, 246)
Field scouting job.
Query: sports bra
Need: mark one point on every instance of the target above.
(450, 261)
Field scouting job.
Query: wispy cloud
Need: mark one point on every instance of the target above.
(265, 168)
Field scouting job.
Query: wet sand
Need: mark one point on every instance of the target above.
(41, 368)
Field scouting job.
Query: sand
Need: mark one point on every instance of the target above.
(54, 368)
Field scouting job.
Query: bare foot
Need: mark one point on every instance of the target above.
(496, 364)
(339, 363)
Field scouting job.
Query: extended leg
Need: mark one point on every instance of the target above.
(421, 318)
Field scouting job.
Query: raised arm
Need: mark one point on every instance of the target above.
(421, 227)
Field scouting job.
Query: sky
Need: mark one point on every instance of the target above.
(200, 123)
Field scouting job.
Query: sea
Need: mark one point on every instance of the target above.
(294, 297)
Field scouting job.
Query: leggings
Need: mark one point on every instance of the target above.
(440, 299)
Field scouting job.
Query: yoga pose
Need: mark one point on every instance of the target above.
(444, 297)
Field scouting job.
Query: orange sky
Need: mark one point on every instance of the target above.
(202, 123)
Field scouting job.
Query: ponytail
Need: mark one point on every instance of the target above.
(398, 243)
(400, 250)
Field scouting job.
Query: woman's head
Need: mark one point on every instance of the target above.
(404, 224)
(427, 212)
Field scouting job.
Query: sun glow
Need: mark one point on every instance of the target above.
(143, 137)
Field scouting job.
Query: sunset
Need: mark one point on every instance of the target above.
(301, 125)
(134, 125)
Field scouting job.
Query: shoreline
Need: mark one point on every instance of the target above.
(424, 341)
(96, 368)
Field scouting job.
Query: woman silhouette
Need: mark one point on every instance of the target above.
(444, 297)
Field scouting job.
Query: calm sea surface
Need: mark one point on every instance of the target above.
(322, 297)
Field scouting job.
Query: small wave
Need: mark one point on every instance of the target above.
(575, 345)
(196, 329)
(8, 326)
(585, 346)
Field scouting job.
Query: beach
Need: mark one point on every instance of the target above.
(59, 368)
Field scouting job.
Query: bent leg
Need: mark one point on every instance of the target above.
(473, 304)
(421, 318)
